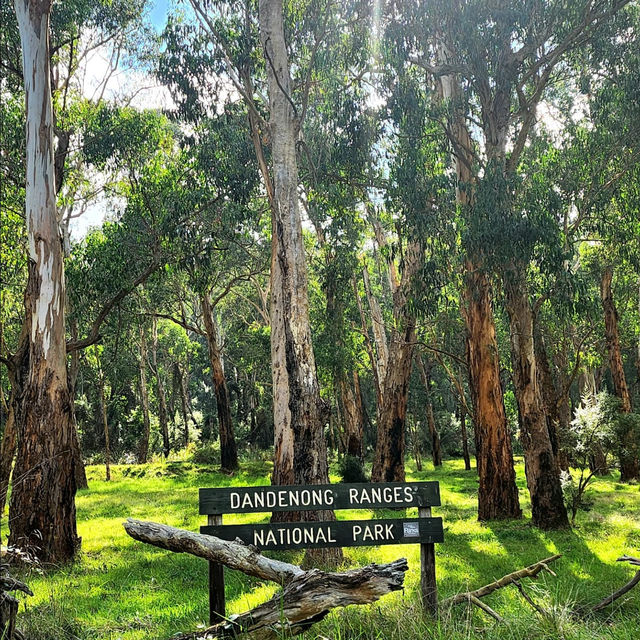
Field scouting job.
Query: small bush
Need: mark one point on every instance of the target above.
(208, 454)
(352, 470)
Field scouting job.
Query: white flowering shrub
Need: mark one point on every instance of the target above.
(592, 433)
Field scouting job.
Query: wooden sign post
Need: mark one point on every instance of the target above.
(217, 605)
(424, 530)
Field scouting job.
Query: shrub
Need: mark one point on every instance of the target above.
(208, 454)
(352, 470)
(592, 433)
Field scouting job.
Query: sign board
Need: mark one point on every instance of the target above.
(341, 533)
(423, 530)
(373, 495)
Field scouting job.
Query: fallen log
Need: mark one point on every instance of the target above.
(513, 578)
(307, 599)
(235, 555)
(307, 596)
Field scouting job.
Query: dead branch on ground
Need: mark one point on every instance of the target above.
(513, 578)
(307, 596)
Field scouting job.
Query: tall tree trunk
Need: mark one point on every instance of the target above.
(541, 466)
(353, 418)
(377, 325)
(299, 414)
(388, 465)
(563, 403)
(497, 491)
(18, 371)
(163, 418)
(9, 442)
(436, 452)
(182, 375)
(44, 461)
(547, 386)
(143, 445)
(465, 440)
(7, 454)
(74, 367)
(629, 454)
(377, 383)
(105, 422)
(228, 449)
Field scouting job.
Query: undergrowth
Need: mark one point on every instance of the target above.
(120, 589)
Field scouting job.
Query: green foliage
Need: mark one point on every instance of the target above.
(352, 469)
(208, 454)
(627, 431)
(123, 587)
(591, 441)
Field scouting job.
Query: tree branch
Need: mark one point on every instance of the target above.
(94, 333)
(528, 572)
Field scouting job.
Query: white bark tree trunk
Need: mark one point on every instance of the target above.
(44, 463)
(300, 447)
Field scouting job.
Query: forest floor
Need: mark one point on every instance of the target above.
(120, 589)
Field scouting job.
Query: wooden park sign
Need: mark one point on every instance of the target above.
(424, 530)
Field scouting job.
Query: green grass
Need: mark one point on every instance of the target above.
(120, 589)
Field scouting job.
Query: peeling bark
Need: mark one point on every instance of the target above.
(18, 371)
(228, 449)
(497, 491)
(541, 466)
(629, 454)
(45, 456)
(300, 455)
(377, 325)
(355, 436)
(7, 455)
(388, 465)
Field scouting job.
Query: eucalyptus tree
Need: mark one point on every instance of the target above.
(609, 208)
(595, 175)
(45, 421)
(46, 437)
(497, 493)
(495, 64)
(275, 75)
(413, 235)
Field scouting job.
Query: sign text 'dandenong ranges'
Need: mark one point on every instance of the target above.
(308, 497)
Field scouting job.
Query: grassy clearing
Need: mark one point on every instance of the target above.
(123, 590)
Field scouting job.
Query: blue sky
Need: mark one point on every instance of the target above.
(159, 11)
